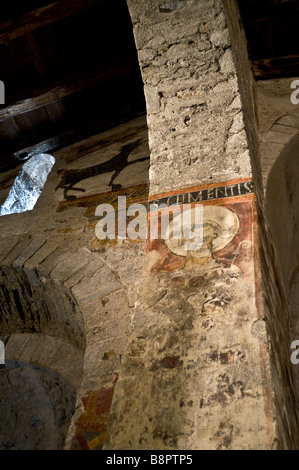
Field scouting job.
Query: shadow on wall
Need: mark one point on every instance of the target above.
(282, 210)
(44, 338)
(36, 407)
(282, 214)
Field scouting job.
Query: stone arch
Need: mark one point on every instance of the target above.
(275, 142)
(281, 175)
(44, 335)
(282, 197)
(78, 324)
(37, 405)
(54, 303)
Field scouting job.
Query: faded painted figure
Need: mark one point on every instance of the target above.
(116, 164)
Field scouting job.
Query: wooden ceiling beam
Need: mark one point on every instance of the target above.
(13, 28)
(277, 67)
(58, 91)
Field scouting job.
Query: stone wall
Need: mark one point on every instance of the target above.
(37, 406)
(272, 124)
(65, 295)
(196, 373)
(192, 94)
(162, 347)
(278, 136)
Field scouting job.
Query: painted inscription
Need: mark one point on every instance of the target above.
(208, 194)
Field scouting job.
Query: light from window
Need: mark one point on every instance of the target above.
(28, 185)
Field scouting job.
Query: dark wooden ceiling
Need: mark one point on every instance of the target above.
(70, 67)
(272, 30)
(70, 70)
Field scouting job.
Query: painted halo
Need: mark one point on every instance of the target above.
(219, 226)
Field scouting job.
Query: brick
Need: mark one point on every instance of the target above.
(16, 252)
(86, 272)
(6, 245)
(29, 251)
(101, 284)
(47, 266)
(70, 265)
(108, 308)
(48, 248)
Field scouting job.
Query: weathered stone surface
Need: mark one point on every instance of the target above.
(85, 272)
(16, 252)
(102, 358)
(45, 250)
(108, 308)
(7, 244)
(193, 354)
(43, 307)
(46, 351)
(101, 284)
(185, 335)
(278, 122)
(36, 408)
(30, 250)
(180, 71)
(70, 265)
(64, 297)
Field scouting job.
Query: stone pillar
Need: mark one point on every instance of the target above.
(196, 374)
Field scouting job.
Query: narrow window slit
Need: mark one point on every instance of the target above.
(28, 185)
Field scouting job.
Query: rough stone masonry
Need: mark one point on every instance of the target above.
(196, 373)
(150, 347)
